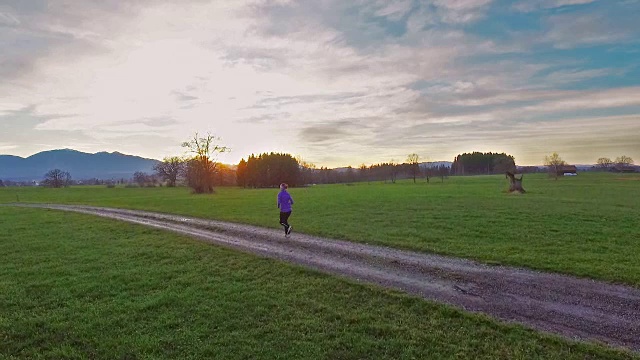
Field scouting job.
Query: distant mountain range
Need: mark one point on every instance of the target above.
(80, 165)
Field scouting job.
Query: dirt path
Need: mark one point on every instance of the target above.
(575, 308)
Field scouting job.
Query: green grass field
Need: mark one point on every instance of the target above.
(76, 286)
(586, 225)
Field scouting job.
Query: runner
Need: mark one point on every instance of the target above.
(284, 204)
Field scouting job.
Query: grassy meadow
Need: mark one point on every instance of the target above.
(586, 225)
(76, 287)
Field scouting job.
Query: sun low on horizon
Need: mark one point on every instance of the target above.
(336, 83)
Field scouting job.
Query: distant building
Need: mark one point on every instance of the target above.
(567, 170)
(619, 168)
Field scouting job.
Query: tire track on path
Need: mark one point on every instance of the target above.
(579, 309)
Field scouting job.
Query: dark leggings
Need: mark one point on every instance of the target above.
(284, 219)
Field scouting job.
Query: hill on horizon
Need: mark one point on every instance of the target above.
(81, 165)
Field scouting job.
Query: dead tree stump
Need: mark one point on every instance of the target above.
(515, 184)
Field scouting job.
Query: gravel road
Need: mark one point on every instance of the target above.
(575, 308)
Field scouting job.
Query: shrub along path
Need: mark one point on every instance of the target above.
(572, 307)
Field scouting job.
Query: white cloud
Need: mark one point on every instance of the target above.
(8, 147)
(567, 76)
(8, 19)
(394, 9)
(527, 6)
(461, 11)
(569, 30)
(579, 100)
(462, 5)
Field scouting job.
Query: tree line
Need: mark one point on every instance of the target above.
(606, 163)
(200, 170)
(271, 169)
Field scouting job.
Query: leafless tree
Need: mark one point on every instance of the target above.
(604, 163)
(307, 170)
(624, 161)
(414, 165)
(554, 162)
(393, 171)
(169, 169)
(443, 172)
(429, 172)
(57, 178)
(363, 172)
(141, 178)
(201, 166)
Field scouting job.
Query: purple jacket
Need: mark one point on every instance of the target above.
(284, 201)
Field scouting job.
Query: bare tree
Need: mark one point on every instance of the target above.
(169, 169)
(624, 161)
(201, 166)
(443, 172)
(307, 170)
(414, 165)
(57, 178)
(604, 163)
(393, 171)
(429, 172)
(141, 178)
(363, 172)
(554, 162)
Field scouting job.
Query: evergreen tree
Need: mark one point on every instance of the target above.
(269, 170)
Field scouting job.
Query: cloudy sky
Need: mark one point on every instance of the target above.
(336, 82)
